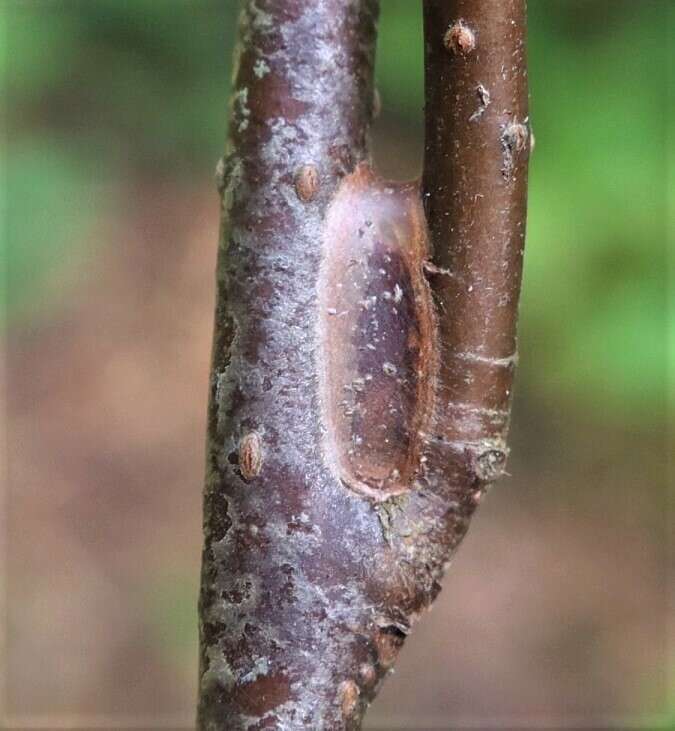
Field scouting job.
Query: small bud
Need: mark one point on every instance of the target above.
(459, 39)
(367, 674)
(250, 455)
(307, 182)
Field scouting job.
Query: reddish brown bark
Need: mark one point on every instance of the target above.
(475, 189)
(362, 367)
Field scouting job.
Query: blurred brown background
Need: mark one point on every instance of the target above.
(556, 610)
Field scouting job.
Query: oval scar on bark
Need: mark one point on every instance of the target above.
(376, 334)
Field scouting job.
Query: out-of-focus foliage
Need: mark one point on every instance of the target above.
(111, 72)
(91, 92)
(595, 297)
(50, 203)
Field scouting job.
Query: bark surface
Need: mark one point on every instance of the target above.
(363, 353)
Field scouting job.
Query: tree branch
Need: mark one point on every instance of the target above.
(275, 614)
(360, 389)
(475, 191)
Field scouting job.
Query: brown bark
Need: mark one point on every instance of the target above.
(362, 367)
(475, 188)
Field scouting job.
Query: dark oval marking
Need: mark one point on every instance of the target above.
(376, 332)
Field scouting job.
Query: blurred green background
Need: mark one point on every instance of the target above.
(114, 113)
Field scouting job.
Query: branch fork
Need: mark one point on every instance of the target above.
(364, 352)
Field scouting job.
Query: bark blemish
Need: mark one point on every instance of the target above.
(431, 268)
(514, 140)
(483, 103)
(367, 674)
(348, 693)
(488, 459)
(261, 68)
(240, 110)
(228, 177)
(388, 644)
(262, 695)
(218, 673)
(220, 175)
